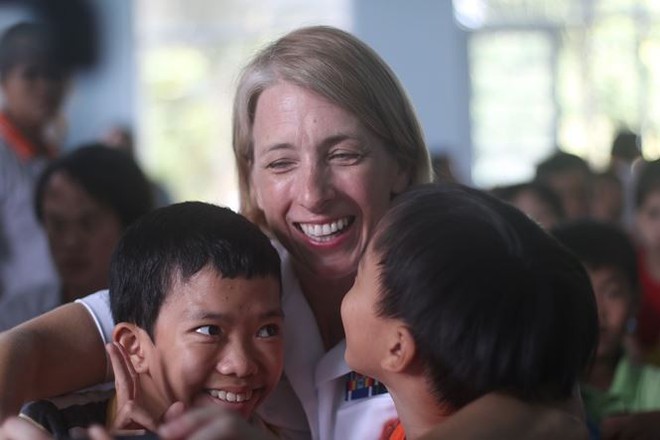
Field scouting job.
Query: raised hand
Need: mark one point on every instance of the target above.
(131, 413)
(212, 424)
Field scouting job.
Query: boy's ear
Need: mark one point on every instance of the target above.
(135, 343)
(401, 350)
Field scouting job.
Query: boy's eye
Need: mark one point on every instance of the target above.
(268, 331)
(208, 330)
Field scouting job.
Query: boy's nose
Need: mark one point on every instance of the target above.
(237, 360)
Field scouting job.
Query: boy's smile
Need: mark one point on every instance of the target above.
(217, 341)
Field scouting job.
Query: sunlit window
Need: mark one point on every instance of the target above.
(189, 55)
(567, 74)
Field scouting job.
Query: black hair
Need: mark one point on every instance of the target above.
(547, 195)
(109, 176)
(600, 244)
(560, 162)
(176, 242)
(648, 181)
(29, 42)
(494, 303)
(626, 145)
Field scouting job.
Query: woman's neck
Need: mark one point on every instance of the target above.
(324, 297)
(418, 409)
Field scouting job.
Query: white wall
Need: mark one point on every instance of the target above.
(105, 95)
(422, 43)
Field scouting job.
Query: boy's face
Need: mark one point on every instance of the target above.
(34, 92)
(364, 328)
(82, 234)
(614, 298)
(648, 221)
(218, 341)
(572, 187)
(535, 208)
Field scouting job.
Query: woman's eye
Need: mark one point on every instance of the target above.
(345, 157)
(280, 165)
(208, 330)
(268, 331)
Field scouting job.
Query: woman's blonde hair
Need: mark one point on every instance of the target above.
(347, 72)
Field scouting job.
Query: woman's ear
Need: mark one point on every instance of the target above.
(402, 181)
(401, 350)
(135, 343)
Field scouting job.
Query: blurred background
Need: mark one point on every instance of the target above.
(498, 84)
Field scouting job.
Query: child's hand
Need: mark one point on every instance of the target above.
(130, 413)
(639, 426)
(211, 424)
(15, 428)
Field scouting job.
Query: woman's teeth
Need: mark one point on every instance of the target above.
(228, 396)
(325, 229)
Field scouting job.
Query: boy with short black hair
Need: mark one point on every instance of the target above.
(615, 384)
(195, 292)
(570, 177)
(460, 295)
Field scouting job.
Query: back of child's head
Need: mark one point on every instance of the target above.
(493, 302)
(648, 181)
(109, 176)
(176, 242)
(600, 245)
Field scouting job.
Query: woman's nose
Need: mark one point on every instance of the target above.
(315, 187)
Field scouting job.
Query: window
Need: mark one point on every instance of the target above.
(190, 53)
(566, 74)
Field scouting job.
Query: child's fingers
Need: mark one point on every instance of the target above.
(96, 432)
(125, 376)
(210, 424)
(221, 428)
(191, 421)
(175, 410)
(133, 416)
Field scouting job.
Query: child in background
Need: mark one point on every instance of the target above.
(195, 292)
(34, 81)
(570, 177)
(614, 385)
(647, 231)
(535, 199)
(84, 200)
(459, 295)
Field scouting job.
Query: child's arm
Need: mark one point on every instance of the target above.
(17, 428)
(58, 352)
(631, 426)
(497, 416)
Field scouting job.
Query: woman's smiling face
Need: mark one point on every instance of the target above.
(322, 179)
